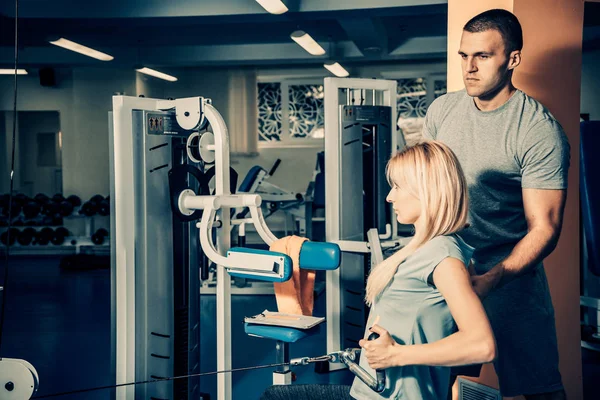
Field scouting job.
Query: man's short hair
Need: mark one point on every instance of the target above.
(504, 22)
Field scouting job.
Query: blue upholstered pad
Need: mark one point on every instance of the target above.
(320, 255)
(288, 335)
(249, 179)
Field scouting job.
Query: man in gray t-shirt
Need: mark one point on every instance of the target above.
(515, 156)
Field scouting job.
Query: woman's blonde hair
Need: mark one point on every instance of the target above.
(431, 172)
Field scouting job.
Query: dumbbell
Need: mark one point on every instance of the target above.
(92, 206)
(44, 236)
(41, 198)
(88, 209)
(65, 208)
(31, 209)
(20, 199)
(104, 206)
(75, 200)
(99, 236)
(26, 236)
(59, 205)
(97, 198)
(59, 236)
(15, 210)
(50, 208)
(4, 239)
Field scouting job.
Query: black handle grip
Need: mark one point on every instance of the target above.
(380, 372)
(274, 167)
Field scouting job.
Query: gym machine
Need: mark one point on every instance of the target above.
(360, 138)
(155, 318)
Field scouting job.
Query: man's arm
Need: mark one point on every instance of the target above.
(544, 213)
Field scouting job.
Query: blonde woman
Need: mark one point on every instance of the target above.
(428, 316)
(422, 303)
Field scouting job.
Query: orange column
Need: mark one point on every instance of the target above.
(550, 72)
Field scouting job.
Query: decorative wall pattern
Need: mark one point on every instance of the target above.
(412, 107)
(269, 112)
(412, 98)
(306, 110)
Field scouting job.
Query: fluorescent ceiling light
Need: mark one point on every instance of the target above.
(273, 6)
(307, 43)
(76, 47)
(156, 74)
(11, 71)
(337, 70)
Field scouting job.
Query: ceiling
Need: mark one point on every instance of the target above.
(158, 33)
(185, 33)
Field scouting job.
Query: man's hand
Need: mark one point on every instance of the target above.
(484, 284)
(381, 353)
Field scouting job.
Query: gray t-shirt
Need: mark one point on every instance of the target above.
(413, 311)
(518, 145)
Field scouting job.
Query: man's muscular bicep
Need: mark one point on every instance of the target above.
(544, 208)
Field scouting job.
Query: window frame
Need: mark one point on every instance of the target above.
(287, 141)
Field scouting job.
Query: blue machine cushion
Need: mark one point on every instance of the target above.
(287, 265)
(590, 191)
(250, 178)
(320, 255)
(285, 334)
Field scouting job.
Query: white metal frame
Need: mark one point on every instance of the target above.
(124, 233)
(386, 97)
(190, 113)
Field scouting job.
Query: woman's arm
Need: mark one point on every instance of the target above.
(474, 342)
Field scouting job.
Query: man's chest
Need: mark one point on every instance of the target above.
(486, 149)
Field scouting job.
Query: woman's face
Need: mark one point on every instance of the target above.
(406, 206)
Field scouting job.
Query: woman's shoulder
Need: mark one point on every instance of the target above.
(451, 245)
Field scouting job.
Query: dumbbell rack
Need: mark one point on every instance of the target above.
(83, 244)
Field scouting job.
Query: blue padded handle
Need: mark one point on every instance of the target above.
(320, 255)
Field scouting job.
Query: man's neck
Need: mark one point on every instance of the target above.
(496, 99)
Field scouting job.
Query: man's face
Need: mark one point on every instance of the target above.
(485, 65)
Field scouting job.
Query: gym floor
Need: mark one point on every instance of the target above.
(60, 322)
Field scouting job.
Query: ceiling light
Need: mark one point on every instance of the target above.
(67, 44)
(273, 6)
(156, 74)
(337, 70)
(307, 43)
(11, 71)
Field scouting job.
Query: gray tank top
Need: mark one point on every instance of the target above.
(413, 311)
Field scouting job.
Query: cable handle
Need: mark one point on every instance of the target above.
(376, 384)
